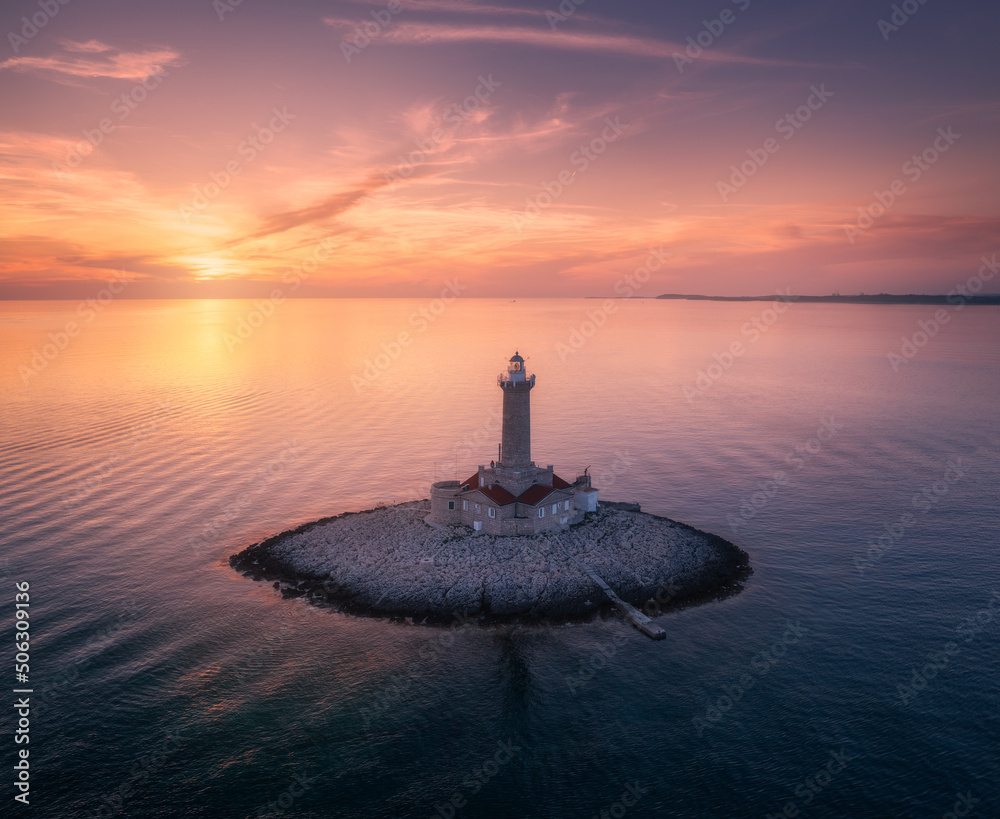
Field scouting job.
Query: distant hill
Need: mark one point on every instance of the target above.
(879, 298)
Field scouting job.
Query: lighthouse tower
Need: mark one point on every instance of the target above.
(512, 496)
(515, 444)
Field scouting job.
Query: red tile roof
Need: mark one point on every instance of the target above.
(535, 494)
(531, 496)
(495, 493)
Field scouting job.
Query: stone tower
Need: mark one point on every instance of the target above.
(515, 442)
(513, 497)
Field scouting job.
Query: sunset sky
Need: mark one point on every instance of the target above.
(236, 141)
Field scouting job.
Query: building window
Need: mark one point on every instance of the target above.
(477, 525)
(492, 512)
(477, 507)
(566, 505)
(451, 504)
(541, 511)
(555, 508)
(465, 506)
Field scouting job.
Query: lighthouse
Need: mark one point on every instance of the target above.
(515, 441)
(513, 496)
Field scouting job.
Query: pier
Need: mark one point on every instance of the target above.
(628, 611)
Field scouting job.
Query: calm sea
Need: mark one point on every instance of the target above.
(853, 677)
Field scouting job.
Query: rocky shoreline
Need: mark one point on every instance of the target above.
(389, 562)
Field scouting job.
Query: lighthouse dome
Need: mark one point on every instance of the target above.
(516, 367)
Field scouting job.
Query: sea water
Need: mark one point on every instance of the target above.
(855, 675)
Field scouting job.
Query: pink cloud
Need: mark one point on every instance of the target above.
(89, 47)
(470, 8)
(124, 65)
(430, 33)
(458, 6)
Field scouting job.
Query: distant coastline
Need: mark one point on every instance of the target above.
(878, 298)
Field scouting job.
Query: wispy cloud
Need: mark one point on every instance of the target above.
(49, 219)
(89, 47)
(413, 33)
(459, 7)
(139, 263)
(125, 65)
(403, 177)
(329, 208)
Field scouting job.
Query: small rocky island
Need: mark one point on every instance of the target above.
(513, 542)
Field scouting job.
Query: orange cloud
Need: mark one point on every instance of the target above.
(407, 175)
(329, 208)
